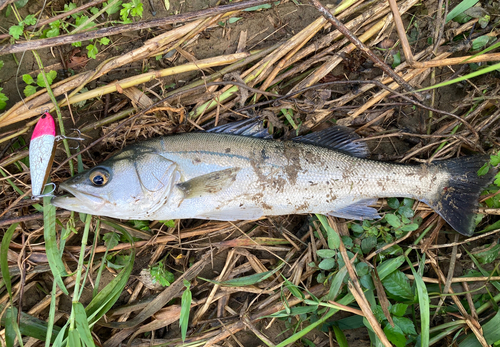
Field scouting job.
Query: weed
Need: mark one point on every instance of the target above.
(31, 87)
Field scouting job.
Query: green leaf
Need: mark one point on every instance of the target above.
(395, 335)
(379, 313)
(76, 44)
(4, 251)
(339, 336)
(30, 19)
(388, 266)
(82, 324)
(406, 325)
(326, 253)
(114, 8)
(393, 203)
(398, 309)
(488, 256)
(293, 289)
(398, 285)
(460, 8)
(406, 211)
(396, 59)
(495, 159)
(111, 240)
(29, 90)
(92, 51)
(28, 79)
(247, 280)
(393, 220)
(332, 236)
(94, 10)
(107, 297)
(52, 32)
(368, 243)
(362, 268)
(480, 42)
(327, 264)
(1, 64)
(104, 41)
(16, 31)
(3, 99)
(185, 308)
(50, 76)
(233, 20)
(424, 303)
(410, 227)
(51, 249)
(169, 223)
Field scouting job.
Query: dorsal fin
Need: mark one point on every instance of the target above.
(338, 138)
(253, 127)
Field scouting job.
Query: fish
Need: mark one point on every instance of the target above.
(41, 153)
(238, 172)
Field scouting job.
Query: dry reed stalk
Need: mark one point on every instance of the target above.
(458, 60)
(382, 94)
(331, 63)
(471, 322)
(401, 32)
(78, 81)
(129, 82)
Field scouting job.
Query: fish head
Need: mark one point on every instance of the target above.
(130, 185)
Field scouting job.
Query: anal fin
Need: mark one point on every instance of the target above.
(210, 183)
(358, 210)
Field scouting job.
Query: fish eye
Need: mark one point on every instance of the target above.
(99, 177)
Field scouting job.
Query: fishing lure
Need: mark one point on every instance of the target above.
(41, 153)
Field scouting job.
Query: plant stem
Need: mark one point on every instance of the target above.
(79, 270)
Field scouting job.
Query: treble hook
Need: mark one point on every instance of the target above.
(64, 137)
(49, 194)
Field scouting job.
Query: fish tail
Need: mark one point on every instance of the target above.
(457, 201)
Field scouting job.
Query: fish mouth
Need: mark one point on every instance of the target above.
(78, 201)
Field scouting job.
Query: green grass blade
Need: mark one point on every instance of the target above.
(58, 342)
(74, 338)
(424, 303)
(460, 8)
(247, 280)
(106, 298)
(10, 322)
(82, 324)
(185, 308)
(4, 251)
(466, 77)
(52, 313)
(339, 336)
(346, 300)
(51, 249)
(332, 236)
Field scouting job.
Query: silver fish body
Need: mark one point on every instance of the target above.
(222, 176)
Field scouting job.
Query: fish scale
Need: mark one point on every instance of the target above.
(228, 176)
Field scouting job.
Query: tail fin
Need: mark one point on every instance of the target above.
(458, 201)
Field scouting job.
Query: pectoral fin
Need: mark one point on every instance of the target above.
(359, 210)
(210, 183)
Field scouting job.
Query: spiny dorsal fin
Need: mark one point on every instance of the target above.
(210, 183)
(338, 138)
(252, 127)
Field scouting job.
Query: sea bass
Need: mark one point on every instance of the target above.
(236, 172)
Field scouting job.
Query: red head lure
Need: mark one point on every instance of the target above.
(41, 153)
